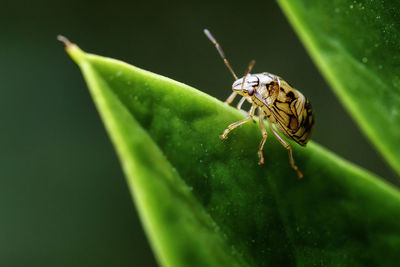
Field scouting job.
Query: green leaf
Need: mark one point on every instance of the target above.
(356, 46)
(206, 202)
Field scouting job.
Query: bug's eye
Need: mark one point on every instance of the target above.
(250, 91)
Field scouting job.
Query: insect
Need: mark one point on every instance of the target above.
(286, 109)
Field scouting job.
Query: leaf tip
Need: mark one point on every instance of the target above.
(64, 40)
(72, 49)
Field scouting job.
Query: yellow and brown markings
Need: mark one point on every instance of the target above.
(306, 126)
(292, 112)
(285, 107)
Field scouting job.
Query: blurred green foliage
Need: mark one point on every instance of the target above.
(355, 44)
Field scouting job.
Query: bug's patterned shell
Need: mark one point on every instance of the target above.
(292, 112)
(285, 107)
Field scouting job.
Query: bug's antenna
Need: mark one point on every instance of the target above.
(221, 53)
(249, 68)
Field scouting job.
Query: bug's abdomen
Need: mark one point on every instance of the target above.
(306, 122)
(293, 115)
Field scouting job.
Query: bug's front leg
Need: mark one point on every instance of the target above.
(288, 147)
(264, 136)
(239, 106)
(230, 99)
(238, 123)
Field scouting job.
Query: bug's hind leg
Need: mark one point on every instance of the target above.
(289, 148)
(264, 136)
(238, 123)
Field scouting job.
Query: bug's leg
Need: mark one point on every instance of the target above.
(288, 147)
(264, 136)
(238, 123)
(239, 105)
(230, 99)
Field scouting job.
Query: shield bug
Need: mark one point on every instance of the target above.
(287, 110)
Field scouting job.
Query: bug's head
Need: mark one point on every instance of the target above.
(248, 88)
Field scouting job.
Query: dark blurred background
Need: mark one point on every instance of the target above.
(63, 197)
